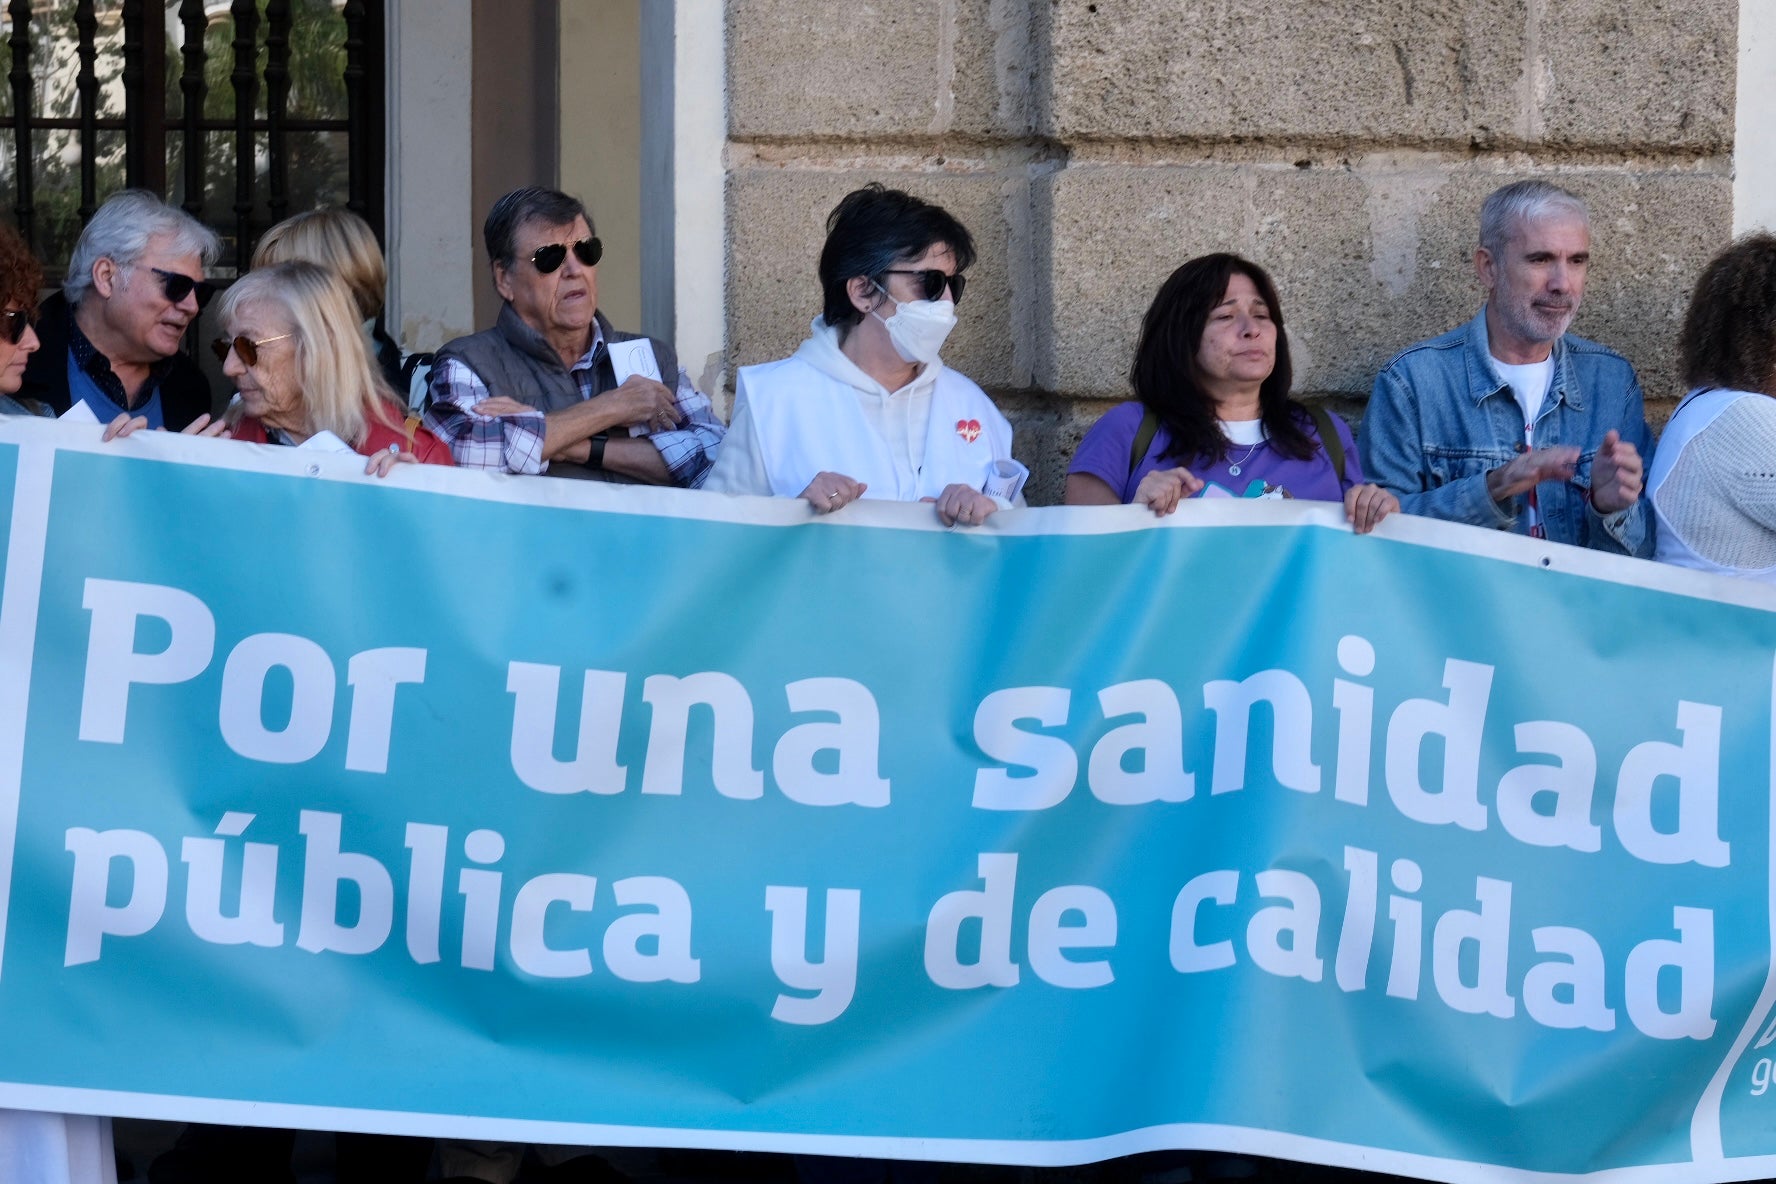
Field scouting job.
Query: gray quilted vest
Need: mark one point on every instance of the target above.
(514, 360)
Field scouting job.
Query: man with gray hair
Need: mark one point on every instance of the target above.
(552, 387)
(111, 336)
(1510, 421)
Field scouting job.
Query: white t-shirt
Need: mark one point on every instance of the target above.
(1243, 433)
(1529, 386)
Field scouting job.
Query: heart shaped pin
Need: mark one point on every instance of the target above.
(968, 429)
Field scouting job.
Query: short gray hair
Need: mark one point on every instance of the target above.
(1507, 208)
(120, 231)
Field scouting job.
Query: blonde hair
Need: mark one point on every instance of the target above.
(342, 390)
(333, 237)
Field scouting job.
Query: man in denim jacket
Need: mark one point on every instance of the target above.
(1446, 430)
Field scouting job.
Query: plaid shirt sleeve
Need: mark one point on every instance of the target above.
(689, 449)
(513, 443)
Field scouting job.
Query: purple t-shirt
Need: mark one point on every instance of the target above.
(1104, 454)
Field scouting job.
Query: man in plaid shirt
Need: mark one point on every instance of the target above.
(541, 390)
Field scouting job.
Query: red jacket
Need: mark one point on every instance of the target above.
(384, 430)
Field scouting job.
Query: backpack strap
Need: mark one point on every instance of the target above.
(417, 366)
(1143, 439)
(1329, 441)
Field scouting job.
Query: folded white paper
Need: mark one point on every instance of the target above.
(78, 413)
(1005, 480)
(629, 358)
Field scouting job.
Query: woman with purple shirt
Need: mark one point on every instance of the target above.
(1211, 377)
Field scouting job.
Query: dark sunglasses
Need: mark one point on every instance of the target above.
(932, 282)
(547, 258)
(13, 323)
(177, 286)
(248, 350)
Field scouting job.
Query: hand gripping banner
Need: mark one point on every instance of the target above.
(526, 809)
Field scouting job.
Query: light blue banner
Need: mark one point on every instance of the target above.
(516, 808)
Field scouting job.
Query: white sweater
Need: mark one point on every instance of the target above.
(817, 411)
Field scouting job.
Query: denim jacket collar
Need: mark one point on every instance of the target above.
(1483, 380)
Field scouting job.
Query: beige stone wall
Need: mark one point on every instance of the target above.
(1343, 144)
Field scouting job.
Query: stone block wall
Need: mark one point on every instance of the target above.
(1345, 145)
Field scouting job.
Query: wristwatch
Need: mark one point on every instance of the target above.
(596, 457)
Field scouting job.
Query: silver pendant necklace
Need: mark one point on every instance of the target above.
(1234, 468)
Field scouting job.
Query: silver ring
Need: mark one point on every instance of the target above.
(832, 497)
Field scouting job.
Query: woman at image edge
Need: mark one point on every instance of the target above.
(1212, 375)
(864, 408)
(39, 1148)
(1712, 484)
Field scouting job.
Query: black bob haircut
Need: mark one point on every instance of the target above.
(872, 229)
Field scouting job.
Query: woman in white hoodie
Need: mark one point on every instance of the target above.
(864, 408)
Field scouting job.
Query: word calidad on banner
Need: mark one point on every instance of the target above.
(1134, 763)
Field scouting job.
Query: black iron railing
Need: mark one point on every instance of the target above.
(154, 122)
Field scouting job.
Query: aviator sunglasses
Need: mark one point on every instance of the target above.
(246, 348)
(551, 256)
(12, 325)
(176, 286)
(932, 282)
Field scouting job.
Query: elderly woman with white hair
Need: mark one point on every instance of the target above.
(299, 360)
(304, 372)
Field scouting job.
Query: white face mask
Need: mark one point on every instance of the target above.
(918, 328)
